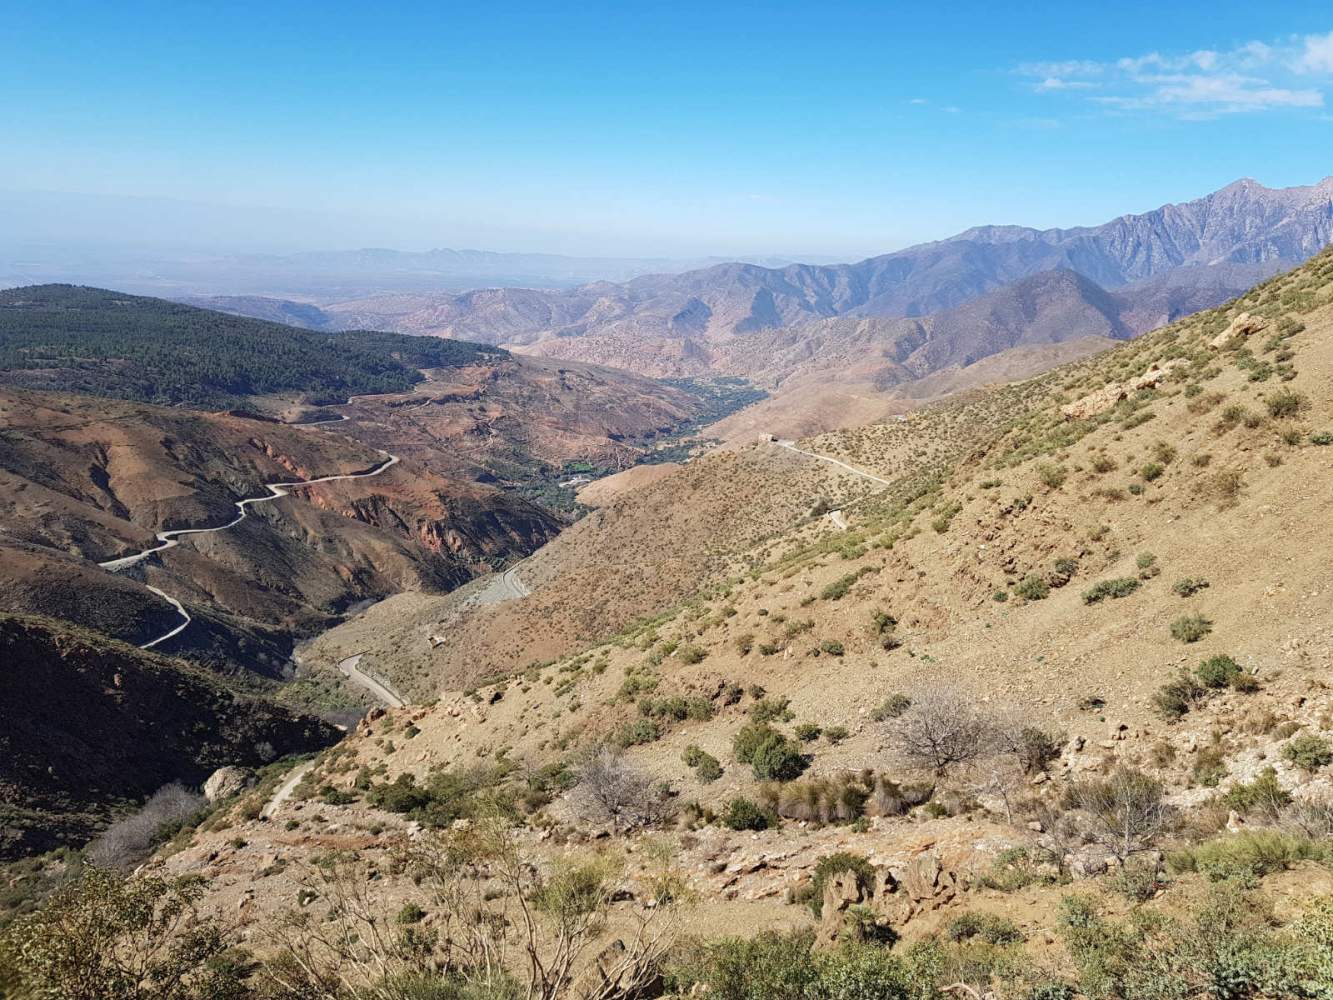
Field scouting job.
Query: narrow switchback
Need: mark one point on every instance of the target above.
(170, 539)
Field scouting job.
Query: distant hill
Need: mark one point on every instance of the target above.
(1175, 259)
(75, 339)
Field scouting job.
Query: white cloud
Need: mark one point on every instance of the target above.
(1253, 77)
(1316, 54)
(1054, 83)
(919, 100)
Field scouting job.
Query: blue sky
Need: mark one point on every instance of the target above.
(839, 129)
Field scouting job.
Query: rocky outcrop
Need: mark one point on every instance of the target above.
(227, 781)
(1242, 326)
(1107, 396)
(851, 911)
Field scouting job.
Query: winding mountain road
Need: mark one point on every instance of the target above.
(170, 539)
(791, 446)
(351, 669)
(285, 790)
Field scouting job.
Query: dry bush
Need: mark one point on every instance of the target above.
(611, 790)
(942, 729)
(1124, 810)
(128, 841)
(1224, 487)
(501, 926)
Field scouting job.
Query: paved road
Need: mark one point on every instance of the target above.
(791, 446)
(170, 539)
(377, 688)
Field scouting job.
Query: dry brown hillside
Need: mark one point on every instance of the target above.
(1119, 569)
(84, 480)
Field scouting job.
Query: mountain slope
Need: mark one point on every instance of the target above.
(84, 481)
(87, 724)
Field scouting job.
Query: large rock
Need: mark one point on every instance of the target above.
(1242, 326)
(226, 782)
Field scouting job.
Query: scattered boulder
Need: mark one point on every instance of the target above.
(1242, 326)
(226, 782)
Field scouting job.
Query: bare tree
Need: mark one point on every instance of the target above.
(1125, 810)
(942, 729)
(611, 790)
(128, 841)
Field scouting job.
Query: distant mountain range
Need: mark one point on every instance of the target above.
(321, 276)
(1137, 271)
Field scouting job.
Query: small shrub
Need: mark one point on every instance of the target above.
(1322, 438)
(1245, 856)
(1308, 752)
(411, 913)
(831, 647)
(1033, 588)
(838, 589)
(770, 710)
(891, 707)
(1122, 587)
(778, 759)
(884, 627)
(1217, 672)
(1285, 403)
(1035, 749)
(709, 769)
(1051, 475)
(1064, 571)
(836, 734)
(991, 928)
(1147, 565)
(1175, 698)
(835, 864)
(1209, 767)
(1152, 471)
(1189, 586)
(808, 732)
(748, 740)
(742, 814)
(691, 654)
(1262, 796)
(1224, 487)
(1190, 628)
(1138, 882)
(638, 732)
